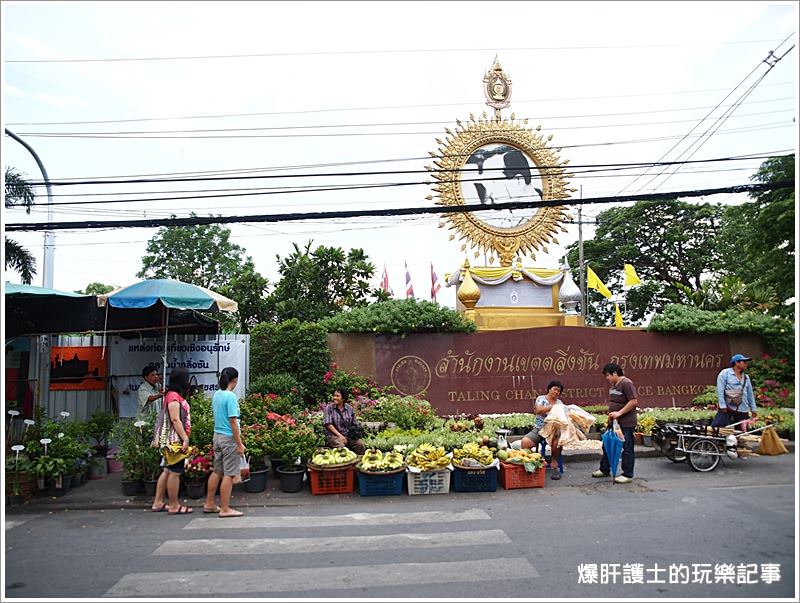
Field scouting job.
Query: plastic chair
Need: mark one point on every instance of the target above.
(560, 457)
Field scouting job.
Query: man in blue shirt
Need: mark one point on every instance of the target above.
(734, 393)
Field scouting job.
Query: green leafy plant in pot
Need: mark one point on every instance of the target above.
(99, 428)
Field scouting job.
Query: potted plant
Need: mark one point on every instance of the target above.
(198, 467)
(131, 443)
(20, 478)
(98, 428)
(294, 445)
(254, 438)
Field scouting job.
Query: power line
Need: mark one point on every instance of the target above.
(722, 119)
(386, 172)
(259, 191)
(402, 211)
(375, 51)
(698, 124)
(374, 108)
(414, 123)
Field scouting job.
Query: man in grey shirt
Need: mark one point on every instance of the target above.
(149, 391)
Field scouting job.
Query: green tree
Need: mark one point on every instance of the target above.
(319, 283)
(97, 289)
(205, 256)
(666, 242)
(758, 237)
(18, 191)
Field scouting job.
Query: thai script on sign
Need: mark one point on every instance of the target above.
(189, 363)
(558, 363)
(224, 346)
(668, 361)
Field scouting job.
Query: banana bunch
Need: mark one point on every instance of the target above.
(333, 456)
(473, 455)
(375, 460)
(428, 457)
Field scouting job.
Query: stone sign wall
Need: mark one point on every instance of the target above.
(502, 371)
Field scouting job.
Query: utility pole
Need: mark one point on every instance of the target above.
(49, 236)
(581, 275)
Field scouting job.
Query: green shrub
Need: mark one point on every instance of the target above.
(255, 407)
(399, 316)
(202, 415)
(406, 412)
(353, 383)
(777, 333)
(299, 349)
(281, 384)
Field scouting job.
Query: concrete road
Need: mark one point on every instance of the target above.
(672, 533)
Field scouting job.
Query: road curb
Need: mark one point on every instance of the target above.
(105, 494)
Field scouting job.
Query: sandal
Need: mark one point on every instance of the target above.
(211, 509)
(182, 510)
(160, 509)
(556, 475)
(232, 513)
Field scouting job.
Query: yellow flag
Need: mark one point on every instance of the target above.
(631, 278)
(593, 282)
(617, 316)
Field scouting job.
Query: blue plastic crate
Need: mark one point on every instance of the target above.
(475, 480)
(380, 485)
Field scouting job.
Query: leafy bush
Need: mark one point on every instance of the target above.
(202, 415)
(777, 333)
(406, 412)
(399, 316)
(350, 381)
(255, 407)
(281, 384)
(766, 368)
(299, 349)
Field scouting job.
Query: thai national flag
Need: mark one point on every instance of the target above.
(385, 282)
(409, 286)
(435, 284)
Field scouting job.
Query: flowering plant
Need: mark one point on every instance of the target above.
(290, 442)
(199, 463)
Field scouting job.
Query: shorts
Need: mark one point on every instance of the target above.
(534, 436)
(178, 467)
(226, 460)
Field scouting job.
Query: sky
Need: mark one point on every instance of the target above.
(191, 89)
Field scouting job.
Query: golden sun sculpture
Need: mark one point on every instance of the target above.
(490, 161)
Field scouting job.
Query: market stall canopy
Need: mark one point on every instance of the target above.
(38, 311)
(171, 293)
(166, 295)
(15, 290)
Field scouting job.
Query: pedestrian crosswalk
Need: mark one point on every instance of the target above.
(461, 537)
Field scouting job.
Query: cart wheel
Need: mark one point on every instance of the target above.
(669, 451)
(703, 455)
(675, 456)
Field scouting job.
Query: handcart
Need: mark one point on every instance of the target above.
(701, 445)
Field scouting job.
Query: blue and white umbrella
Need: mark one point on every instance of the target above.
(170, 294)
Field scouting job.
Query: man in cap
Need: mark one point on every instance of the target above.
(734, 393)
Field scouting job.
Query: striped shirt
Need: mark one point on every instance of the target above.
(343, 420)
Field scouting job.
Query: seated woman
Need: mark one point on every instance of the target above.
(541, 406)
(340, 424)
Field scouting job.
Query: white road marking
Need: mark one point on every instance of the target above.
(350, 519)
(227, 583)
(18, 521)
(268, 546)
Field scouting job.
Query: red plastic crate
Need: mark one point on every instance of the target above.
(514, 476)
(336, 481)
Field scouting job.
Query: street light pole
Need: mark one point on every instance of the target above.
(49, 236)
